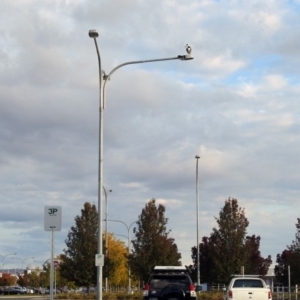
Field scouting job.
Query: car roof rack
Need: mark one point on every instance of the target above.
(170, 269)
(244, 276)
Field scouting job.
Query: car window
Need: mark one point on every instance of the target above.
(241, 283)
(161, 281)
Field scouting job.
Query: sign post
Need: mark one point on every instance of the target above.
(52, 222)
(55, 265)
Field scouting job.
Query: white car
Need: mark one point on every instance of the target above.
(29, 290)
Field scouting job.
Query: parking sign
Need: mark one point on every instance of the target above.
(52, 218)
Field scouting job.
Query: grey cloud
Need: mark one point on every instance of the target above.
(224, 105)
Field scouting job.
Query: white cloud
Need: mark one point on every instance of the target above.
(131, 185)
(224, 64)
(275, 82)
(172, 203)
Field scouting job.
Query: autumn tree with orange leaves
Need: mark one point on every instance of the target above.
(7, 280)
(116, 267)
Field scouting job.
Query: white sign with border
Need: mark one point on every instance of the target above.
(52, 218)
(99, 260)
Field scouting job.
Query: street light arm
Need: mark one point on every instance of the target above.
(119, 222)
(131, 224)
(137, 62)
(128, 227)
(26, 259)
(8, 255)
(107, 77)
(105, 192)
(121, 235)
(17, 258)
(46, 261)
(3, 257)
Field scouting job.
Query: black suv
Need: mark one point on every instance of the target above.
(168, 282)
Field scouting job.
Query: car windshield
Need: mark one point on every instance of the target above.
(161, 281)
(241, 283)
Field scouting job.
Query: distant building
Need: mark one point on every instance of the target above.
(270, 278)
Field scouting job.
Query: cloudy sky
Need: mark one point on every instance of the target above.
(236, 105)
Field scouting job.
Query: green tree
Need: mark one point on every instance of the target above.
(228, 248)
(206, 263)
(78, 260)
(45, 275)
(289, 257)
(228, 241)
(255, 263)
(283, 260)
(34, 278)
(152, 245)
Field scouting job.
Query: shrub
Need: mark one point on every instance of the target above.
(217, 295)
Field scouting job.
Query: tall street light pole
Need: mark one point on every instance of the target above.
(106, 231)
(129, 242)
(103, 79)
(197, 209)
(3, 257)
(38, 261)
(22, 261)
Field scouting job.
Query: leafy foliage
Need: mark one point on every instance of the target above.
(116, 267)
(281, 269)
(152, 245)
(7, 280)
(228, 249)
(289, 257)
(78, 262)
(23, 280)
(227, 241)
(206, 263)
(255, 264)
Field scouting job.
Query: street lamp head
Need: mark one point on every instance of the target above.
(185, 57)
(93, 33)
(197, 156)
